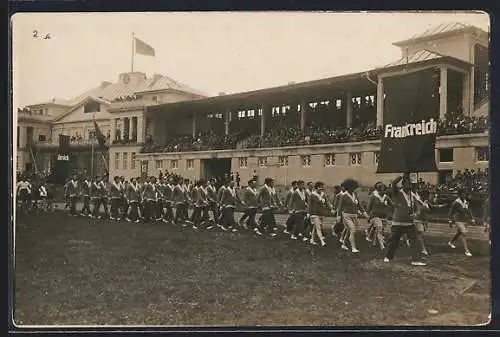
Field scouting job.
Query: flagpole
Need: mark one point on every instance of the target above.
(133, 51)
(92, 156)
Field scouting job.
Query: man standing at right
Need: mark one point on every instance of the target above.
(402, 220)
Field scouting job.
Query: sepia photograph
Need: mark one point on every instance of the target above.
(229, 169)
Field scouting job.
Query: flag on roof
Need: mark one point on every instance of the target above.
(99, 135)
(143, 48)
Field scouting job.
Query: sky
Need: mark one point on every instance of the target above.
(211, 52)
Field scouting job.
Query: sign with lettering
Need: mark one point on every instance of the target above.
(411, 110)
(63, 157)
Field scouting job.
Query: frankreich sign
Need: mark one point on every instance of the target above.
(411, 110)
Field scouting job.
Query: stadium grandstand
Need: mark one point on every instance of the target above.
(327, 129)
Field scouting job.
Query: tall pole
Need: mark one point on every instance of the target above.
(133, 51)
(92, 144)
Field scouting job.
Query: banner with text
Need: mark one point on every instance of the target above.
(411, 110)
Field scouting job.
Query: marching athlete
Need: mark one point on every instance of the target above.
(115, 194)
(459, 215)
(179, 199)
(249, 201)
(269, 201)
(377, 210)
(23, 193)
(317, 206)
(349, 207)
(289, 220)
(228, 204)
(424, 205)
(73, 195)
(338, 226)
(212, 202)
(85, 191)
(133, 195)
(299, 204)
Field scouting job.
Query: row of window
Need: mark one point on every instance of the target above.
(329, 160)
(125, 161)
(482, 154)
(355, 159)
(174, 164)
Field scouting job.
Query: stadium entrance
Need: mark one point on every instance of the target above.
(217, 168)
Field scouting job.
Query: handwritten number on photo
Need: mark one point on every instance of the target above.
(46, 37)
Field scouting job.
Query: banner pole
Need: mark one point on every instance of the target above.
(92, 153)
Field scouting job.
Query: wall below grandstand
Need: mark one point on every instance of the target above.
(363, 168)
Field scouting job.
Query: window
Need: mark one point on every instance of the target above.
(355, 158)
(91, 107)
(262, 161)
(251, 113)
(376, 157)
(42, 138)
(338, 104)
(445, 155)
(241, 114)
(91, 134)
(159, 164)
(117, 161)
(174, 164)
(482, 153)
(132, 160)
(125, 160)
(305, 160)
(283, 161)
(154, 98)
(329, 160)
(190, 164)
(243, 162)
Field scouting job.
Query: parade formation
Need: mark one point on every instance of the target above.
(168, 199)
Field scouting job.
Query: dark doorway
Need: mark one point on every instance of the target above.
(445, 176)
(217, 168)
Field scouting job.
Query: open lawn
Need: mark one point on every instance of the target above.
(77, 271)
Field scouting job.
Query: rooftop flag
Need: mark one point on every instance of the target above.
(143, 48)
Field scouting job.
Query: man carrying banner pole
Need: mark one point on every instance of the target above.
(409, 123)
(403, 220)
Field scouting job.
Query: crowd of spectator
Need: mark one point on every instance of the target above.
(288, 134)
(201, 142)
(456, 123)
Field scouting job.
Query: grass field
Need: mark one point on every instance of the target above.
(75, 271)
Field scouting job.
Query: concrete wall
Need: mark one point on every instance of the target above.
(130, 171)
(464, 157)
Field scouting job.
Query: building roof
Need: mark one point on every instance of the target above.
(54, 101)
(160, 82)
(419, 56)
(442, 29)
(110, 91)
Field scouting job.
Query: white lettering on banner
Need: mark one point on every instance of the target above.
(63, 157)
(411, 129)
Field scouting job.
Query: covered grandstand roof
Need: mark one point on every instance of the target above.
(438, 31)
(317, 88)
